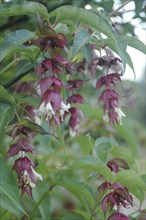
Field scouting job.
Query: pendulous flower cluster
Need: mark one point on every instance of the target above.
(116, 196)
(23, 166)
(109, 96)
(51, 70)
(57, 89)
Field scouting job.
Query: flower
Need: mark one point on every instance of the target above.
(74, 84)
(76, 98)
(46, 109)
(20, 131)
(54, 65)
(112, 111)
(53, 41)
(22, 145)
(63, 109)
(115, 163)
(120, 114)
(108, 61)
(27, 176)
(119, 196)
(74, 121)
(37, 175)
(107, 80)
(118, 216)
(51, 82)
(30, 114)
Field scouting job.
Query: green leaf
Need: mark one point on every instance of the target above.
(42, 197)
(126, 131)
(96, 21)
(6, 115)
(132, 181)
(81, 38)
(14, 40)
(33, 126)
(23, 66)
(94, 164)
(86, 215)
(134, 42)
(123, 153)
(5, 95)
(80, 191)
(102, 146)
(87, 53)
(72, 216)
(85, 143)
(60, 135)
(130, 63)
(11, 9)
(9, 192)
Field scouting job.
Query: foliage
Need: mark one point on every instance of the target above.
(61, 113)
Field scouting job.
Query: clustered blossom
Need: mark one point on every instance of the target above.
(23, 166)
(53, 66)
(53, 108)
(116, 196)
(110, 98)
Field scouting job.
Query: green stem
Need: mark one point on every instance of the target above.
(16, 79)
(40, 201)
(9, 65)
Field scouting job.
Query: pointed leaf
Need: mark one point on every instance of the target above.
(11, 9)
(6, 115)
(85, 143)
(23, 66)
(14, 40)
(9, 192)
(33, 126)
(122, 153)
(87, 53)
(80, 191)
(126, 131)
(5, 95)
(134, 42)
(94, 164)
(96, 21)
(86, 215)
(42, 197)
(81, 38)
(102, 146)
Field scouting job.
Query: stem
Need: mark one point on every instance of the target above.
(41, 199)
(16, 79)
(9, 65)
(120, 7)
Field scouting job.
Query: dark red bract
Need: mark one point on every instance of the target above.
(22, 145)
(74, 121)
(118, 216)
(108, 80)
(52, 42)
(76, 98)
(115, 163)
(54, 65)
(51, 82)
(74, 84)
(119, 196)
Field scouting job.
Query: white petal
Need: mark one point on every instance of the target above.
(63, 109)
(49, 108)
(37, 175)
(106, 117)
(120, 115)
(37, 120)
